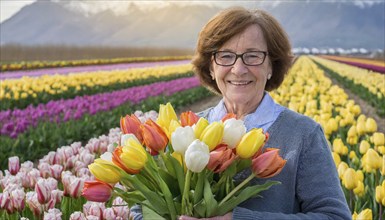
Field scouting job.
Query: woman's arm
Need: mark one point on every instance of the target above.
(318, 188)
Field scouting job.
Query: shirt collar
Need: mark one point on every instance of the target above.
(262, 115)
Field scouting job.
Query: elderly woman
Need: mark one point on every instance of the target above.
(240, 55)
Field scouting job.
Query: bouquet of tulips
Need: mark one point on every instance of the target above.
(185, 166)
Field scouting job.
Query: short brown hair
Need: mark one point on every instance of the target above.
(231, 22)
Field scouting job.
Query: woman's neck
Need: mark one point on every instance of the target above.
(242, 109)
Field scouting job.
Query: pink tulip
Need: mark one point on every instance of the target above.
(77, 216)
(33, 203)
(17, 199)
(94, 209)
(109, 214)
(53, 214)
(56, 170)
(121, 208)
(13, 165)
(97, 191)
(76, 187)
(44, 169)
(268, 164)
(43, 191)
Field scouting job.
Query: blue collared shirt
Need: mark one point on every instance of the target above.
(263, 117)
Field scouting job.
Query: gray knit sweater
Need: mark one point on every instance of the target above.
(310, 187)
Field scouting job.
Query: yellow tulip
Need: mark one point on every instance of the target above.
(342, 167)
(250, 143)
(380, 193)
(360, 189)
(174, 124)
(371, 125)
(364, 146)
(364, 215)
(378, 139)
(336, 158)
(99, 168)
(200, 126)
(372, 159)
(212, 135)
(166, 115)
(131, 158)
(350, 180)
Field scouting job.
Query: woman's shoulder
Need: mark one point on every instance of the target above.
(295, 121)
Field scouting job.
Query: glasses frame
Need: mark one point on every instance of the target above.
(265, 53)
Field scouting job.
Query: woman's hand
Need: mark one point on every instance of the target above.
(228, 216)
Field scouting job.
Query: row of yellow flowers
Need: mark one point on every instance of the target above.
(373, 81)
(357, 148)
(25, 87)
(25, 65)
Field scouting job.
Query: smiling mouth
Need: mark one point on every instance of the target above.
(239, 83)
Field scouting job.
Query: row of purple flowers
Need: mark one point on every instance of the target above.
(92, 68)
(15, 122)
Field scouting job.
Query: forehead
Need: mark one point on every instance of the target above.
(251, 38)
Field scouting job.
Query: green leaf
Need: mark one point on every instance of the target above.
(200, 209)
(245, 194)
(211, 203)
(170, 181)
(198, 192)
(148, 213)
(179, 173)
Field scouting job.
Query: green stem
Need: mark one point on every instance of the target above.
(185, 197)
(244, 182)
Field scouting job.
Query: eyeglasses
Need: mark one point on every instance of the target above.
(251, 58)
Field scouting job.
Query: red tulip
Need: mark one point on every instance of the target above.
(188, 118)
(131, 124)
(97, 191)
(220, 158)
(154, 137)
(268, 164)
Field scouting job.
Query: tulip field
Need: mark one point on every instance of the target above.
(53, 125)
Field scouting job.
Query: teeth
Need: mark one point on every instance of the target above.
(239, 83)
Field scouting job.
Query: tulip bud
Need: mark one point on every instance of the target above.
(97, 191)
(233, 132)
(364, 146)
(371, 125)
(99, 169)
(220, 158)
(131, 158)
(361, 128)
(200, 126)
(131, 125)
(212, 135)
(188, 118)
(173, 126)
(342, 167)
(154, 137)
(13, 165)
(77, 216)
(372, 159)
(336, 158)
(43, 191)
(349, 179)
(366, 214)
(268, 164)
(182, 138)
(166, 115)
(124, 138)
(360, 189)
(197, 156)
(250, 143)
(378, 139)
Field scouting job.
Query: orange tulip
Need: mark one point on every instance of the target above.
(228, 116)
(154, 137)
(188, 118)
(268, 164)
(97, 191)
(220, 158)
(131, 124)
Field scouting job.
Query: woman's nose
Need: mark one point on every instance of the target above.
(239, 68)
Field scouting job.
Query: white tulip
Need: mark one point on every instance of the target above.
(181, 138)
(233, 132)
(197, 156)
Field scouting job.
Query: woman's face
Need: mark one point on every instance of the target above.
(241, 84)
